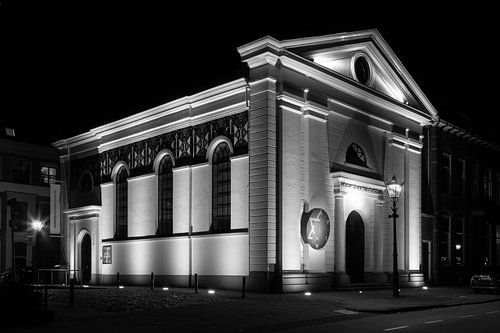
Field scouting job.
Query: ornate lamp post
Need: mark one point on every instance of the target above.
(394, 191)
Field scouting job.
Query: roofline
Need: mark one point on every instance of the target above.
(447, 126)
(174, 106)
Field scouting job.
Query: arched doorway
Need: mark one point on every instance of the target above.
(355, 247)
(85, 259)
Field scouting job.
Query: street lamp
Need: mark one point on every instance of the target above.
(394, 191)
(37, 225)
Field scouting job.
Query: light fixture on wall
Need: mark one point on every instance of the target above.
(394, 191)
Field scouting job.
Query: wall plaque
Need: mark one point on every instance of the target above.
(315, 228)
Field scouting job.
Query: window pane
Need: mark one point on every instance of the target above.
(221, 182)
(165, 197)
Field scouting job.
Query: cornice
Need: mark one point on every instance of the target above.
(184, 103)
(266, 42)
(172, 126)
(84, 210)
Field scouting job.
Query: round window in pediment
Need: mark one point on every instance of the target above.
(362, 70)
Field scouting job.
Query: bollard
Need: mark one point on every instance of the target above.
(117, 279)
(243, 280)
(196, 283)
(71, 292)
(45, 297)
(152, 281)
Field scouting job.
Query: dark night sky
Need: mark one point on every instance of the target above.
(67, 68)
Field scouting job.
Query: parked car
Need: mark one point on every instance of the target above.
(485, 281)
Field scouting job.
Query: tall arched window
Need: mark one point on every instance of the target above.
(221, 188)
(121, 203)
(165, 197)
(355, 155)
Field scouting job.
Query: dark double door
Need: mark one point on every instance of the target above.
(355, 247)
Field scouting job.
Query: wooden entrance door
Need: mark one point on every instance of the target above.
(86, 262)
(355, 247)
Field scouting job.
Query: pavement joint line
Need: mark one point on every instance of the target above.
(433, 321)
(395, 328)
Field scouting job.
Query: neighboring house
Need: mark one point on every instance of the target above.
(26, 172)
(278, 177)
(461, 204)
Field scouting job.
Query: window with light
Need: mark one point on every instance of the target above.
(121, 203)
(221, 188)
(165, 197)
(48, 175)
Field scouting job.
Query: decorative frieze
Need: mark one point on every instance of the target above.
(189, 146)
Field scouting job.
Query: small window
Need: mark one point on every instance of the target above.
(458, 237)
(48, 175)
(355, 155)
(488, 184)
(475, 182)
(497, 189)
(497, 244)
(19, 215)
(20, 255)
(20, 171)
(444, 239)
(445, 174)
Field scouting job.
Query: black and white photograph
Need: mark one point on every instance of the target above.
(249, 167)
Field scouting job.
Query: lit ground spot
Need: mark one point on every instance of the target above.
(467, 316)
(395, 328)
(347, 312)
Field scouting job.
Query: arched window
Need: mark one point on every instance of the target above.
(121, 203)
(221, 188)
(355, 155)
(165, 197)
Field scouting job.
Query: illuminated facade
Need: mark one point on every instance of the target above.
(278, 177)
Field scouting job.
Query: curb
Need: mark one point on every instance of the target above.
(418, 307)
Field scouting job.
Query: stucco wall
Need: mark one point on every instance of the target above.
(142, 205)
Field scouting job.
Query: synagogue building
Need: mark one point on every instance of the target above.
(278, 177)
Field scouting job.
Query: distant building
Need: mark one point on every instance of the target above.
(26, 172)
(461, 204)
(278, 177)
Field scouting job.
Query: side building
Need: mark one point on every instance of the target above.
(26, 172)
(278, 177)
(460, 204)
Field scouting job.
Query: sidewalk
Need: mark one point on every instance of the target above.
(179, 309)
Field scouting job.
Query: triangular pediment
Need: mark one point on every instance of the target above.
(378, 69)
(361, 59)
